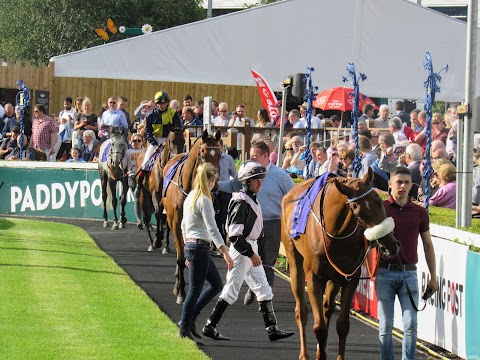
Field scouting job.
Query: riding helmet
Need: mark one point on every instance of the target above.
(251, 170)
(161, 96)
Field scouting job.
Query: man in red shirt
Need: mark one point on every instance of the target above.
(411, 220)
(44, 131)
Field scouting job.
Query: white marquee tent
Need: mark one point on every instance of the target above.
(386, 40)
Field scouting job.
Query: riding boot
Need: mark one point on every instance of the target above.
(274, 333)
(209, 330)
(138, 188)
(188, 334)
(249, 297)
(193, 328)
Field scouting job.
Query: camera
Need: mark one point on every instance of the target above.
(428, 292)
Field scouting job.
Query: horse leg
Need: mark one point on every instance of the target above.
(113, 189)
(104, 199)
(297, 276)
(316, 289)
(123, 203)
(166, 248)
(146, 202)
(179, 287)
(157, 202)
(343, 322)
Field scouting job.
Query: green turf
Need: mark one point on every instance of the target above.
(63, 298)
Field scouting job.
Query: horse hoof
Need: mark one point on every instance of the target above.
(150, 248)
(179, 300)
(122, 226)
(115, 227)
(105, 224)
(166, 250)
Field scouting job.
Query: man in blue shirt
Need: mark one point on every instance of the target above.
(112, 117)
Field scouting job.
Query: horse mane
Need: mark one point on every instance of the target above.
(191, 164)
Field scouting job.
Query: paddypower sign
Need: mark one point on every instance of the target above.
(57, 192)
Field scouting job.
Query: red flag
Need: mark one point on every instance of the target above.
(266, 95)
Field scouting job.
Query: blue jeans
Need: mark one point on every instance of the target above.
(389, 284)
(201, 268)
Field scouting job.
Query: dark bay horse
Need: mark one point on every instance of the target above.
(151, 195)
(113, 171)
(205, 149)
(345, 213)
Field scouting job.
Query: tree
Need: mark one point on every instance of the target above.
(259, 3)
(36, 30)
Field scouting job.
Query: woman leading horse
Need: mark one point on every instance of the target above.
(180, 172)
(344, 216)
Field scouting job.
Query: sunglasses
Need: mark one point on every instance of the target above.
(223, 111)
(112, 102)
(137, 140)
(343, 159)
(289, 149)
(435, 123)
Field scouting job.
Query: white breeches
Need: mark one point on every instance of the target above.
(151, 148)
(243, 270)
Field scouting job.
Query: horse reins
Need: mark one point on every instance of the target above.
(368, 247)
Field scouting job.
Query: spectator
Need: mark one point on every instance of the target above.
(382, 120)
(86, 120)
(76, 156)
(238, 119)
(297, 164)
(395, 127)
(368, 155)
(28, 153)
(189, 118)
(345, 157)
(9, 143)
(175, 105)
(413, 159)
(273, 157)
(67, 119)
(335, 121)
(223, 119)
(289, 152)
(187, 101)
(446, 194)
(401, 114)
(131, 155)
(276, 122)
(368, 110)
(263, 121)
(112, 117)
(199, 110)
(9, 121)
(415, 123)
(89, 142)
(294, 119)
(439, 131)
(44, 132)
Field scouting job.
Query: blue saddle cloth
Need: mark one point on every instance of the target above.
(149, 165)
(105, 151)
(104, 156)
(304, 204)
(168, 178)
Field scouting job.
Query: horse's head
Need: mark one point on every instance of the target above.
(117, 151)
(367, 206)
(209, 151)
(176, 141)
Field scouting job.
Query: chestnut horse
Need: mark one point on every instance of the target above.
(151, 194)
(205, 149)
(344, 214)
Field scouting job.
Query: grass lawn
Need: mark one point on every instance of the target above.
(61, 297)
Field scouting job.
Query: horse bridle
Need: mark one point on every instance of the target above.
(360, 222)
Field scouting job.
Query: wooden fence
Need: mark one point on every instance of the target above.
(99, 90)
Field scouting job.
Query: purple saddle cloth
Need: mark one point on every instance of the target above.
(104, 156)
(304, 204)
(168, 178)
(149, 165)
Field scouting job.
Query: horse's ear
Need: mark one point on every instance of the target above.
(218, 135)
(205, 136)
(345, 190)
(367, 179)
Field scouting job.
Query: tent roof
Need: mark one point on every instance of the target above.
(386, 40)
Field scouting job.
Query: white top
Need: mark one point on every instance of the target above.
(200, 223)
(131, 156)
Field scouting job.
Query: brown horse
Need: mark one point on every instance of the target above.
(205, 149)
(343, 215)
(151, 194)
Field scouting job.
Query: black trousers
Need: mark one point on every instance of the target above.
(268, 247)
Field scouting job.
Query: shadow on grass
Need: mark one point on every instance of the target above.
(54, 251)
(63, 268)
(6, 224)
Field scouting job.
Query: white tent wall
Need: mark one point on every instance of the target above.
(386, 40)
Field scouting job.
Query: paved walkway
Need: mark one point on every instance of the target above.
(154, 273)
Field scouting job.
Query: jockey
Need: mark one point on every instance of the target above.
(159, 122)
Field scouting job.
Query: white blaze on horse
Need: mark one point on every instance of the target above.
(112, 168)
(345, 218)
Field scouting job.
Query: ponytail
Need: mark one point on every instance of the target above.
(200, 183)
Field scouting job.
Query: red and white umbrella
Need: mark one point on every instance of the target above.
(339, 98)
